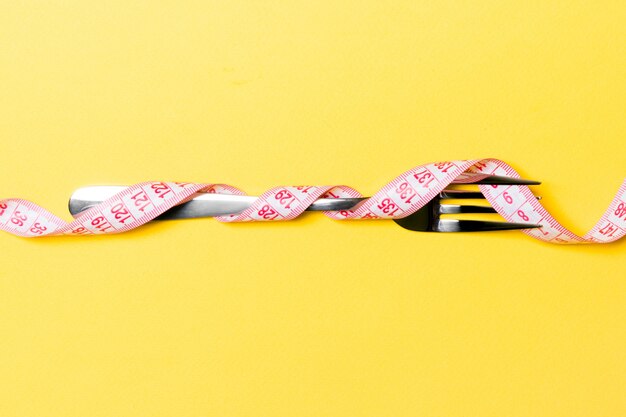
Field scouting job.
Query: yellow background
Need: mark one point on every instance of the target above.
(314, 317)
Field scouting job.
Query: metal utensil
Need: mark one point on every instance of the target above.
(428, 218)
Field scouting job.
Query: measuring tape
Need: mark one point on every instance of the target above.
(407, 193)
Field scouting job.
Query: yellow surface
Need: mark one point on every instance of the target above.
(314, 317)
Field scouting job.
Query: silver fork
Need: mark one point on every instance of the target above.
(426, 219)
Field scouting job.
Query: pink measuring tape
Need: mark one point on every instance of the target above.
(401, 197)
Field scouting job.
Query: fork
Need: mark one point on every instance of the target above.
(426, 219)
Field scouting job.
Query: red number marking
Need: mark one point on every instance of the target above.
(267, 212)
(424, 177)
(120, 212)
(140, 198)
(406, 192)
(38, 229)
(387, 206)
(18, 218)
(620, 211)
(541, 230)
(161, 189)
(522, 215)
(101, 223)
(444, 166)
(285, 198)
(608, 230)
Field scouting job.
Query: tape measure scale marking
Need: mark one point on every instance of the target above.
(404, 195)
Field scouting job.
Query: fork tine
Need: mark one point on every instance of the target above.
(457, 208)
(460, 194)
(476, 178)
(449, 225)
(463, 194)
(498, 180)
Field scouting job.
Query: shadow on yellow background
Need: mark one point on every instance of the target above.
(314, 317)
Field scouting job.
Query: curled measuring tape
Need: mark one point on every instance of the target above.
(401, 197)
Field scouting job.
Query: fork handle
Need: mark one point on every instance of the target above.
(207, 208)
(203, 205)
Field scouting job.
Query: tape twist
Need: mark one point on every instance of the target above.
(404, 195)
